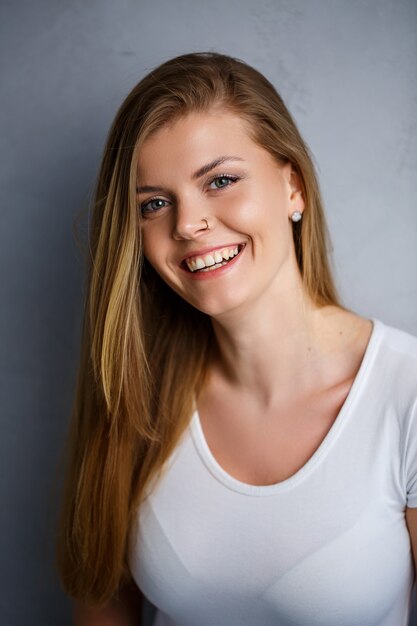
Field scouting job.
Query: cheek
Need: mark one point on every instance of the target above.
(240, 211)
(152, 249)
(264, 204)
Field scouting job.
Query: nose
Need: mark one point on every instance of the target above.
(191, 219)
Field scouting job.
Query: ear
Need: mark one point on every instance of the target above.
(295, 190)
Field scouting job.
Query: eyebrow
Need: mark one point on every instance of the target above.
(205, 169)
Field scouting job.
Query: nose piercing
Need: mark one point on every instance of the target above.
(207, 224)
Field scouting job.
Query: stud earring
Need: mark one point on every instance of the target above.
(296, 216)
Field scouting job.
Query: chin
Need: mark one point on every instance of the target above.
(217, 309)
(218, 301)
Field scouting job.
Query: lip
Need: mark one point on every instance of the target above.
(209, 249)
(223, 269)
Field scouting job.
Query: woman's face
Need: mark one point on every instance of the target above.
(247, 201)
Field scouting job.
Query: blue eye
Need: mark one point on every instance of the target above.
(222, 178)
(154, 205)
(150, 207)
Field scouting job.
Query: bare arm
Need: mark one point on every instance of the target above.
(411, 519)
(127, 611)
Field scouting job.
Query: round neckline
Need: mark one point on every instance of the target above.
(266, 490)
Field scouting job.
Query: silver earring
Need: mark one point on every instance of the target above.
(296, 216)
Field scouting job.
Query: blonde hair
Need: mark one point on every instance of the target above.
(145, 351)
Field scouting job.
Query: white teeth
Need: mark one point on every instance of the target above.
(214, 267)
(211, 261)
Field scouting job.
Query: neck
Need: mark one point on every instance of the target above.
(272, 346)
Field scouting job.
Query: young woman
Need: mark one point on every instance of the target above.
(243, 446)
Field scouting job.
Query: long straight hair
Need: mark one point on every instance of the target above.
(145, 351)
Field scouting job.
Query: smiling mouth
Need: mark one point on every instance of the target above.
(213, 260)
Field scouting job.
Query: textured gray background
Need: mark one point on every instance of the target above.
(347, 70)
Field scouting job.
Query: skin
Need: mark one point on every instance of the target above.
(259, 303)
(236, 213)
(256, 304)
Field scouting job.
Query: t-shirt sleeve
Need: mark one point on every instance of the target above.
(410, 457)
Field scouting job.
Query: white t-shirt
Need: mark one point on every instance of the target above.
(327, 546)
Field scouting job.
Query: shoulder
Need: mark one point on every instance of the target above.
(397, 347)
(394, 369)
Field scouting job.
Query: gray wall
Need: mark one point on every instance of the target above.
(347, 70)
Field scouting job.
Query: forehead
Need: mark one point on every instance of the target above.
(195, 139)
